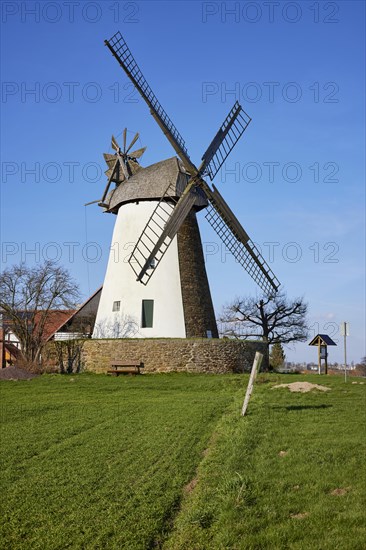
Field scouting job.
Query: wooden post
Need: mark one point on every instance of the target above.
(326, 360)
(345, 353)
(319, 359)
(2, 353)
(253, 375)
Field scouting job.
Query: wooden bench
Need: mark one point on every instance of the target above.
(125, 367)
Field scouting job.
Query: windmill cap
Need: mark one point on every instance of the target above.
(150, 183)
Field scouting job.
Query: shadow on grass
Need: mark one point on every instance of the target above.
(280, 409)
(305, 407)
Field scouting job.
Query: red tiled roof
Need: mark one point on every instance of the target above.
(55, 319)
(74, 312)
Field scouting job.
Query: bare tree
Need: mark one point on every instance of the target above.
(122, 326)
(68, 353)
(270, 318)
(29, 297)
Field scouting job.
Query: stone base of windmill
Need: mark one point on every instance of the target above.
(216, 356)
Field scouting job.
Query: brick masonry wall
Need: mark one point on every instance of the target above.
(168, 355)
(199, 315)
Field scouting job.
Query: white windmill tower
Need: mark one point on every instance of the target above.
(156, 218)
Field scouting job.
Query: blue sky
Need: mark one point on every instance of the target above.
(296, 179)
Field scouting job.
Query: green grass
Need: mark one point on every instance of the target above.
(250, 495)
(93, 462)
(100, 462)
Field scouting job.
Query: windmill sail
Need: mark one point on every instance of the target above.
(122, 53)
(161, 228)
(236, 239)
(115, 145)
(225, 140)
(137, 154)
(170, 213)
(132, 143)
(227, 136)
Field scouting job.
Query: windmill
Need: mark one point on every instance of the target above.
(183, 194)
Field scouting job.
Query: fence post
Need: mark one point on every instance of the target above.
(253, 375)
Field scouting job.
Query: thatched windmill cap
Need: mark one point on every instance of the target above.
(150, 183)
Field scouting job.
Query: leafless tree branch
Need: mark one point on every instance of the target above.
(273, 319)
(29, 297)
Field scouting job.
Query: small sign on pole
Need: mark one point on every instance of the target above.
(344, 329)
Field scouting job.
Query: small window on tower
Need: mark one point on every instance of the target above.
(147, 313)
(116, 306)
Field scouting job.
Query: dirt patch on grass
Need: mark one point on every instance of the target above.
(302, 387)
(190, 486)
(16, 373)
(340, 491)
(300, 516)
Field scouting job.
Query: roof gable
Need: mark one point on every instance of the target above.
(323, 340)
